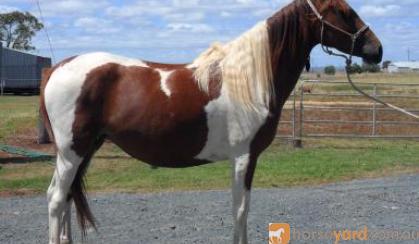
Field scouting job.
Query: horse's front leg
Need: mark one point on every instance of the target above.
(243, 168)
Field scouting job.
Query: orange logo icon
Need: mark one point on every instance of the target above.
(279, 233)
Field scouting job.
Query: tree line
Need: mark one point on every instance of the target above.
(359, 69)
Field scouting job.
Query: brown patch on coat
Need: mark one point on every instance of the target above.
(126, 105)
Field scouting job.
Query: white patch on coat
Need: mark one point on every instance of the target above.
(231, 128)
(164, 76)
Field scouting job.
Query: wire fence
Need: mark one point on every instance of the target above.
(319, 109)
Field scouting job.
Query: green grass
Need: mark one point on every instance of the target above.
(321, 161)
(17, 114)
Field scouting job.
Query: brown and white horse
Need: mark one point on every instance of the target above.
(224, 105)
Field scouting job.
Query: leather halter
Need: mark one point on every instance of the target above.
(324, 22)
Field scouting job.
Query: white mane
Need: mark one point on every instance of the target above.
(245, 65)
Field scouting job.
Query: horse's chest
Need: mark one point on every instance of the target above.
(230, 129)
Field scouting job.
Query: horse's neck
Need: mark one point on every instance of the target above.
(289, 62)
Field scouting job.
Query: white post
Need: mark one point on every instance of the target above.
(374, 112)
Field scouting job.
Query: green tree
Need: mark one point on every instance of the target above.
(355, 69)
(330, 70)
(371, 68)
(386, 64)
(18, 28)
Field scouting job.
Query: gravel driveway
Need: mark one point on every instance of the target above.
(205, 217)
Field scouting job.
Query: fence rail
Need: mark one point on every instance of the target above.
(330, 109)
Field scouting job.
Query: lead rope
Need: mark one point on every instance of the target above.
(348, 59)
(401, 110)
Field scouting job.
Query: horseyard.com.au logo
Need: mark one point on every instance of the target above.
(279, 233)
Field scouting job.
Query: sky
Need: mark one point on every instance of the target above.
(176, 31)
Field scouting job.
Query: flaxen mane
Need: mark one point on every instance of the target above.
(245, 65)
(246, 62)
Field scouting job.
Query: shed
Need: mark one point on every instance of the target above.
(21, 71)
(403, 67)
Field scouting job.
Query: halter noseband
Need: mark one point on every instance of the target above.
(353, 37)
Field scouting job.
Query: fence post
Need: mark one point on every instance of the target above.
(43, 136)
(298, 142)
(2, 85)
(374, 112)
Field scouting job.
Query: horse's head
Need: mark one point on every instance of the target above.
(337, 25)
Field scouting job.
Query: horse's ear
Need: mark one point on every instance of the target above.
(327, 4)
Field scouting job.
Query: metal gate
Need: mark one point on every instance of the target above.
(332, 109)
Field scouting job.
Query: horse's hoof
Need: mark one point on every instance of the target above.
(66, 241)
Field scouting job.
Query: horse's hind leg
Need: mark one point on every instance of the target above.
(66, 224)
(66, 220)
(58, 192)
(59, 195)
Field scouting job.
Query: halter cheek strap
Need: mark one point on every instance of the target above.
(324, 22)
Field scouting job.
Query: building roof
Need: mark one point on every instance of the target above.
(406, 64)
(21, 51)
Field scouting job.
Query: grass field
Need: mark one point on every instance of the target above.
(321, 161)
(17, 114)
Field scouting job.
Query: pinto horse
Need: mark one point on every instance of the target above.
(226, 104)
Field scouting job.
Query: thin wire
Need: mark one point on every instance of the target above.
(46, 31)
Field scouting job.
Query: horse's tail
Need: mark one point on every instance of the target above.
(78, 193)
(46, 74)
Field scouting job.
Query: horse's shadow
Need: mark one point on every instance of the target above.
(23, 160)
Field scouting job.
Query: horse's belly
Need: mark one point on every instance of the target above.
(174, 148)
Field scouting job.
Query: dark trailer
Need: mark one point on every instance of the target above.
(20, 72)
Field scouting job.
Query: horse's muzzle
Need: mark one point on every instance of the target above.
(372, 53)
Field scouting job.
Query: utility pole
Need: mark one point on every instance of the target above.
(408, 54)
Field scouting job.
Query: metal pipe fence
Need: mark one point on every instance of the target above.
(330, 109)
